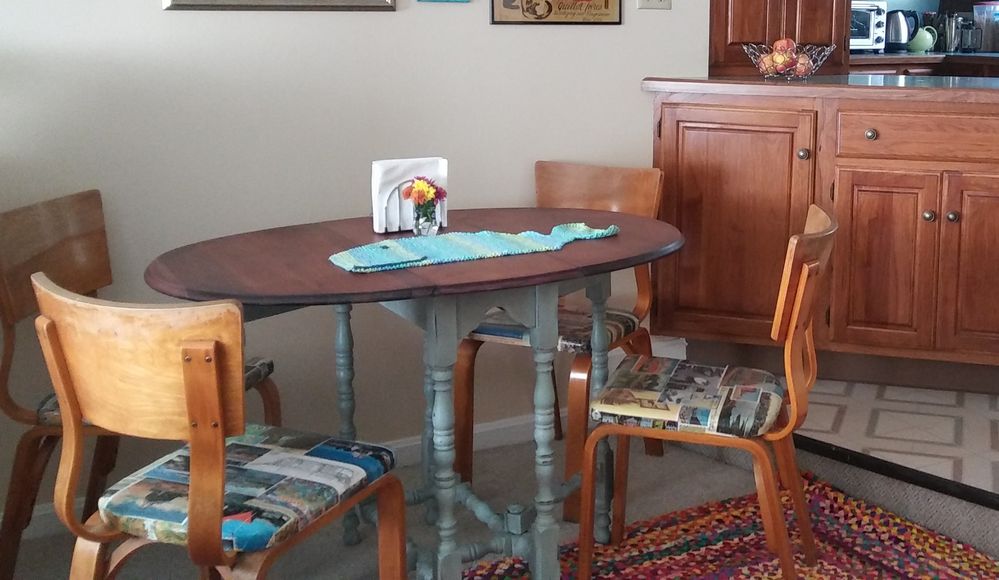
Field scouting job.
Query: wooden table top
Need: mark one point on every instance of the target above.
(289, 266)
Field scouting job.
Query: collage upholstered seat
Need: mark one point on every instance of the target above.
(254, 372)
(677, 395)
(574, 329)
(277, 482)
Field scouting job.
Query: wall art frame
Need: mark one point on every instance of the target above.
(356, 5)
(555, 12)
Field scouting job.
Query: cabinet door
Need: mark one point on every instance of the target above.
(734, 22)
(738, 183)
(820, 22)
(884, 274)
(969, 267)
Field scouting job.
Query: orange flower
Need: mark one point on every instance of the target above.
(424, 191)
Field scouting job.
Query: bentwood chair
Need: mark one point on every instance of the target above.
(66, 239)
(237, 495)
(731, 407)
(622, 189)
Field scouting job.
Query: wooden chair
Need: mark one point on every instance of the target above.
(728, 415)
(66, 239)
(176, 373)
(622, 189)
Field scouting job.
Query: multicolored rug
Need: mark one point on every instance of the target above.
(725, 540)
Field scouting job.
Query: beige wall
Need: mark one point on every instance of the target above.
(200, 124)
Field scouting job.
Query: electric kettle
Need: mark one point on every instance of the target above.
(901, 26)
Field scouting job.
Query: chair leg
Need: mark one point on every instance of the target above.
(105, 457)
(90, 560)
(587, 494)
(271, 398)
(790, 475)
(619, 507)
(771, 510)
(559, 435)
(32, 455)
(575, 438)
(464, 408)
(392, 531)
(641, 343)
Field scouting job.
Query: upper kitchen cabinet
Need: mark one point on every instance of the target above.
(734, 22)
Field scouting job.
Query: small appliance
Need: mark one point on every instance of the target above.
(902, 24)
(868, 24)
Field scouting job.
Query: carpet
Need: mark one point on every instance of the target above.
(725, 540)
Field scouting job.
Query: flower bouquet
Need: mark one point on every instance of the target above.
(425, 195)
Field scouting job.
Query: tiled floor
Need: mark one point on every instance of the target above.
(943, 433)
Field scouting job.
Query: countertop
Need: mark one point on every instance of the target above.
(932, 88)
(923, 58)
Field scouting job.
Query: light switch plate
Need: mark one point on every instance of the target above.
(655, 4)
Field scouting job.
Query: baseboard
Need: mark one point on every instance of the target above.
(510, 431)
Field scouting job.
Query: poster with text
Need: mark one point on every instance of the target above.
(556, 12)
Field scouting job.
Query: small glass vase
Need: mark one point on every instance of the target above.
(425, 222)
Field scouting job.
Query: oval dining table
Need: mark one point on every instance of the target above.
(276, 270)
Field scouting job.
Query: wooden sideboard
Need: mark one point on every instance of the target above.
(910, 168)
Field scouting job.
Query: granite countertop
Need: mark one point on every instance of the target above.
(859, 80)
(935, 88)
(919, 57)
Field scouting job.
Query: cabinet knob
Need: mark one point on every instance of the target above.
(871, 134)
(804, 153)
(930, 215)
(954, 217)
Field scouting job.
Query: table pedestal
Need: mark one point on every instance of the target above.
(531, 533)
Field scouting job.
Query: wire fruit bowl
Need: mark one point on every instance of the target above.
(798, 62)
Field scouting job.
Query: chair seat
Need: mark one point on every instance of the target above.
(574, 328)
(678, 395)
(254, 371)
(277, 482)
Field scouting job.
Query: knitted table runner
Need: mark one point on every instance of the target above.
(460, 246)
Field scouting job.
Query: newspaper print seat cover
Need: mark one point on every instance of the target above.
(254, 371)
(679, 395)
(277, 481)
(574, 328)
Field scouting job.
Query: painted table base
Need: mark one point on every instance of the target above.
(531, 532)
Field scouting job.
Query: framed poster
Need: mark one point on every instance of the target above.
(556, 11)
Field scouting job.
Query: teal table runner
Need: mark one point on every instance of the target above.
(459, 247)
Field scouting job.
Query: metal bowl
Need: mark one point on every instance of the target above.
(792, 69)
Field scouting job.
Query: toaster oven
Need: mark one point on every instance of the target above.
(867, 25)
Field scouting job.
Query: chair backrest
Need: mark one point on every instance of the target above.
(171, 372)
(634, 190)
(66, 239)
(803, 282)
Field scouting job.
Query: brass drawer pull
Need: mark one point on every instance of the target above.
(871, 134)
(930, 215)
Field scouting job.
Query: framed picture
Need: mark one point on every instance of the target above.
(556, 11)
(279, 5)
